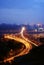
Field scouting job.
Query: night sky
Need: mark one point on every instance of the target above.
(22, 11)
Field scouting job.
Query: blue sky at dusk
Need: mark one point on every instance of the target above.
(22, 11)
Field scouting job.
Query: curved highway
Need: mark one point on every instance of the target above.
(25, 51)
(21, 39)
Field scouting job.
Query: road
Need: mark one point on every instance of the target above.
(20, 38)
(25, 51)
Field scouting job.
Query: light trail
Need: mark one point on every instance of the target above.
(22, 30)
(23, 40)
(25, 51)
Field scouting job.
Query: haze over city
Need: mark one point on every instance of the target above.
(22, 11)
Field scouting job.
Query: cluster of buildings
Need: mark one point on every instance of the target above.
(39, 28)
(9, 28)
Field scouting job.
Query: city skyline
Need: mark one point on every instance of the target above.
(22, 11)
